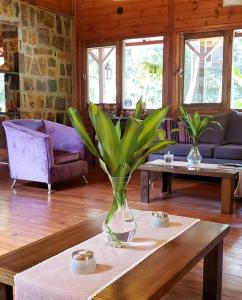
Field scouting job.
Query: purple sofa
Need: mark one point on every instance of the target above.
(44, 151)
(216, 145)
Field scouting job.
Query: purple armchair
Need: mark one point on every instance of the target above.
(44, 151)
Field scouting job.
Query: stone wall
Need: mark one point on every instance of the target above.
(45, 60)
(11, 56)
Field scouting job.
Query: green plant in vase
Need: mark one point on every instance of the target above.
(195, 125)
(119, 156)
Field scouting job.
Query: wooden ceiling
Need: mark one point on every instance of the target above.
(62, 6)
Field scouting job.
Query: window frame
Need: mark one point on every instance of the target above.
(120, 68)
(226, 70)
(163, 67)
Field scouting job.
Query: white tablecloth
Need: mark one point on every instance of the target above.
(52, 280)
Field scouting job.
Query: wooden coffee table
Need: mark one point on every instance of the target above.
(228, 179)
(151, 279)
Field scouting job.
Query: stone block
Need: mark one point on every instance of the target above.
(26, 115)
(68, 45)
(32, 15)
(52, 86)
(69, 70)
(67, 23)
(24, 36)
(21, 63)
(44, 36)
(28, 84)
(62, 70)
(40, 101)
(38, 115)
(32, 37)
(34, 70)
(24, 14)
(31, 102)
(51, 62)
(51, 116)
(58, 24)
(17, 9)
(40, 85)
(58, 42)
(50, 101)
(45, 18)
(60, 103)
(52, 73)
(65, 85)
(42, 65)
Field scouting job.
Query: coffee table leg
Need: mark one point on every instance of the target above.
(166, 182)
(6, 292)
(227, 195)
(145, 186)
(212, 273)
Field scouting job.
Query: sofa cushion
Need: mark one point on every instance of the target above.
(228, 151)
(214, 134)
(233, 134)
(181, 149)
(63, 157)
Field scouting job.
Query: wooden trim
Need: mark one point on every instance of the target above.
(144, 43)
(200, 106)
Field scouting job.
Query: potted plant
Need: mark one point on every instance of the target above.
(195, 126)
(119, 156)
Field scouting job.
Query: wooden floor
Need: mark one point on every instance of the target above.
(28, 214)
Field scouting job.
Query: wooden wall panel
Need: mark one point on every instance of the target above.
(99, 19)
(205, 15)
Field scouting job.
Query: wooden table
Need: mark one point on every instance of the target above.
(228, 178)
(149, 280)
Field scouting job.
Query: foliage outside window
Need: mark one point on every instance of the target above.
(101, 71)
(2, 87)
(236, 86)
(203, 70)
(143, 72)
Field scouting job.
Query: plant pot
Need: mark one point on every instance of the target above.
(119, 226)
(194, 157)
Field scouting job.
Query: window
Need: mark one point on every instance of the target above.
(143, 72)
(236, 85)
(203, 70)
(101, 74)
(2, 84)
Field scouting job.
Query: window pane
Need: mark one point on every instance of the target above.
(203, 70)
(236, 90)
(143, 72)
(101, 74)
(2, 88)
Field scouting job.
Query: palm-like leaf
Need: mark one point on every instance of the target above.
(195, 125)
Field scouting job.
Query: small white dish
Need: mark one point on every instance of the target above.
(159, 219)
(82, 262)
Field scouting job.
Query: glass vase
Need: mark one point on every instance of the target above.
(194, 157)
(119, 226)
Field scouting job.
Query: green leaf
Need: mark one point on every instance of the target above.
(138, 109)
(78, 124)
(92, 111)
(108, 138)
(159, 146)
(151, 123)
(129, 141)
(118, 129)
